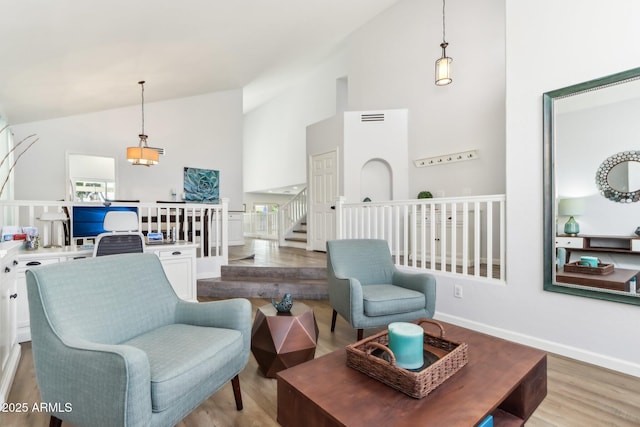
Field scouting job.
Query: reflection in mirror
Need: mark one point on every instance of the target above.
(91, 178)
(617, 177)
(625, 176)
(591, 129)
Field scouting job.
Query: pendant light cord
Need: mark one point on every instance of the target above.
(142, 96)
(443, 22)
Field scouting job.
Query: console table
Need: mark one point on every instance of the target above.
(618, 280)
(605, 244)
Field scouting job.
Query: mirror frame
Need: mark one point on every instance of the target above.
(548, 187)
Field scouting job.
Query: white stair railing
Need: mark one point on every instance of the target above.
(261, 225)
(453, 235)
(290, 214)
(204, 224)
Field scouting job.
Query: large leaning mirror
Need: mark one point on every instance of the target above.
(592, 188)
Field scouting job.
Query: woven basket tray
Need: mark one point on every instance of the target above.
(416, 383)
(575, 267)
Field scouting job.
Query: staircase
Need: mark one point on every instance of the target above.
(297, 238)
(266, 282)
(292, 230)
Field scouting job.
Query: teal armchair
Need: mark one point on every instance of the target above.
(367, 289)
(114, 346)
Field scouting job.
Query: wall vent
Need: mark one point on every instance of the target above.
(159, 150)
(372, 117)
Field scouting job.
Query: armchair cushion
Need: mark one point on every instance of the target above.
(382, 300)
(173, 375)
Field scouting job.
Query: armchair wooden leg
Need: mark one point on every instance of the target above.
(333, 320)
(360, 331)
(235, 382)
(55, 422)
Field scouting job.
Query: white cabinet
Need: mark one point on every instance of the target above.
(178, 261)
(569, 242)
(180, 267)
(424, 226)
(236, 229)
(22, 304)
(9, 348)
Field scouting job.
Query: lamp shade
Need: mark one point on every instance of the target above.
(571, 207)
(142, 156)
(443, 70)
(52, 216)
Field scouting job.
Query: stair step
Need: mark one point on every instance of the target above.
(300, 231)
(266, 282)
(296, 239)
(256, 273)
(235, 289)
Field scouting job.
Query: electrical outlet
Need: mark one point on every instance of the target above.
(457, 291)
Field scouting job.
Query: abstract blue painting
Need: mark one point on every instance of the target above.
(201, 185)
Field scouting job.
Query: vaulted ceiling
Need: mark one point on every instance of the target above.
(65, 57)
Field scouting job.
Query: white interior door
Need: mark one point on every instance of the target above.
(324, 192)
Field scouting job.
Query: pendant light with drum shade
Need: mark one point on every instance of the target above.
(142, 154)
(443, 64)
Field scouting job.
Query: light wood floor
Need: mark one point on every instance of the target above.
(267, 253)
(579, 395)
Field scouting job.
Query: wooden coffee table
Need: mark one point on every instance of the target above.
(502, 378)
(282, 340)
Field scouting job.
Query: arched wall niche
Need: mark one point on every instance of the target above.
(376, 180)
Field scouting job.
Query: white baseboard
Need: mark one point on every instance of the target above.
(549, 346)
(24, 333)
(294, 244)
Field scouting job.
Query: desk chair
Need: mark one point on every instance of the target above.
(122, 236)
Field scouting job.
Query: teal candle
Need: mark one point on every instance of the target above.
(405, 341)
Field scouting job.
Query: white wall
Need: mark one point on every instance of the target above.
(275, 133)
(552, 44)
(201, 131)
(365, 141)
(391, 65)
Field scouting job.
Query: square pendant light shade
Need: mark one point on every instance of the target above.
(142, 156)
(443, 71)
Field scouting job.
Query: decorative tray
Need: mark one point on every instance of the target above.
(443, 358)
(575, 267)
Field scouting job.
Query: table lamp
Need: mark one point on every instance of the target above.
(52, 217)
(571, 208)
